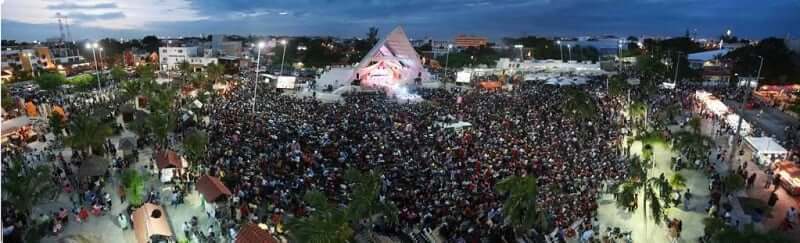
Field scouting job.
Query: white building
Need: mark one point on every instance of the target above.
(171, 57)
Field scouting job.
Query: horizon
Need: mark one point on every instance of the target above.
(440, 19)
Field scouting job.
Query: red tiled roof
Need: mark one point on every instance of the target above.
(251, 233)
(212, 188)
(168, 159)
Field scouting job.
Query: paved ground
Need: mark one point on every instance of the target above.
(769, 119)
(105, 229)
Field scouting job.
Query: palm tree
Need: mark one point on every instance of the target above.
(24, 188)
(326, 223)
(195, 145)
(694, 145)
(134, 186)
(186, 71)
(162, 98)
(638, 113)
(519, 207)
(87, 134)
(161, 123)
(617, 85)
(366, 201)
(655, 191)
(579, 104)
(215, 72)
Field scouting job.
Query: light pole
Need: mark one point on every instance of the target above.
(518, 46)
(93, 46)
(30, 61)
(101, 59)
(619, 57)
(258, 64)
(746, 98)
(569, 49)
(471, 61)
(677, 65)
(560, 50)
(447, 60)
(283, 55)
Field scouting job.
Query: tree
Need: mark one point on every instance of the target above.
(718, 232)
(82, 81)
(617, 85)
(366, 201)
(151, 43)
(146, 72)
(326, 223)
(56, 123)
(87, 133)
(694, 145)
(50, 81)
(186, 71)
(24, 188)
(8, 102)
(195, 145)
(780, 65)
(161, 123)
(119, 74)
(372, 35)
(134, 186)
(519, 207)
(579, 104)
(655, 191)
(215, 73)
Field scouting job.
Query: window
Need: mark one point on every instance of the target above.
(180, 50)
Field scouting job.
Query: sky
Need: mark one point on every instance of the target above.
(28, 20)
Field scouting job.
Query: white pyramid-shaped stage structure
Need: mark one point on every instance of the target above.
(391, 63)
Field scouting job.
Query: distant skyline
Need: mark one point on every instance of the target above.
(27, 20)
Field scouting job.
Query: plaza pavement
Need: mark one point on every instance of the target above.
(105, 229)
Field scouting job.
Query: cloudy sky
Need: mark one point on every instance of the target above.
(91, 19)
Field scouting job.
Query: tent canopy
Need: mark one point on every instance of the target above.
(94, 166)
(212, 188)
(168, 159)
(251, 233)
(766, 145)
(150, 220)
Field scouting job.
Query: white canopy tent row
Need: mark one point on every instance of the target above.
(766, 149)
(719, 109)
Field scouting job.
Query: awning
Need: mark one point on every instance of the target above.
(94, 166)
(766, 145)
(212, 188)
(168, 159)
(251, 233)
(150, 220)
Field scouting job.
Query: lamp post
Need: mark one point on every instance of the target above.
(93, 46)
(30, 62)
(103, 65)
(746, 98)
(258, 64)
(447, 59)
(560, 49)
(521, 56)
(283, 55)
(471, 61)
(619, 56)
(569, 50)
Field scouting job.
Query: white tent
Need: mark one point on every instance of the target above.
(456, 125)
(766, 149)
(766, 145)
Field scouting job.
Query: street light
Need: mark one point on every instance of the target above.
(258, 64)
(30, 61)
(560, 49)
(94, 46)
(302, 48)
(101, 58)
(283, 42)
(518, 46)
(447, 59)
(569, 50)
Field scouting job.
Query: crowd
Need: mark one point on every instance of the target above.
(436, 176)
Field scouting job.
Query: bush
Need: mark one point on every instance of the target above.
(50, 81)
(82, 81)
(134, 186)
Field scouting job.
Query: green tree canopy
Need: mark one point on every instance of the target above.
(87, 133)
(519, 207)
(119, 74)
(50, 81)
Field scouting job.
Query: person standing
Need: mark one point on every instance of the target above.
(187, 230)
(751, 180)
(776, 182)
(770, 177)
(773, 198)
(687, 196)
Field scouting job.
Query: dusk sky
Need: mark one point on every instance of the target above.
(443, 19)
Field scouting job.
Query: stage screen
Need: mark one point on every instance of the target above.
(463, 77)
(286, 82)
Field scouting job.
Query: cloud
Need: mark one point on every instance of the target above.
(66, 6)
(104, 14)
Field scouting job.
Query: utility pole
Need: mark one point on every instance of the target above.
(746, 99)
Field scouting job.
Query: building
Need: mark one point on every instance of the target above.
(222, 47)
(467, 41)
(34, 58)
(171, 57)
(699, 60)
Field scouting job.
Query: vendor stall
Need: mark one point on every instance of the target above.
(252, 233)
(169, 164)
(213, 192)
(15, 128)
(766, 150)
(714, 105)
(150, 224)
(789, 173)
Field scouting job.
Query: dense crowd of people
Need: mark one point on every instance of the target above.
(436, 176)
